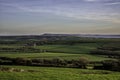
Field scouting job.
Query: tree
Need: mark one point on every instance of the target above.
(81, 63)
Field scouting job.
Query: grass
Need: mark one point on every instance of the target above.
(50, 73)
(54, 55)
(77, 48)
(62, 51)
(10, 46)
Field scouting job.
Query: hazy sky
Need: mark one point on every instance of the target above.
(59, 16)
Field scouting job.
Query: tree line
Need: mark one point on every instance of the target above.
(82, 63)
(56, 62)
(112, 51)
(22, 49)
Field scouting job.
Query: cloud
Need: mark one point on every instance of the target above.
(113, 3)
(106, 2)
(88, 13)
(109, 17)
(69, 12)
(91, 0)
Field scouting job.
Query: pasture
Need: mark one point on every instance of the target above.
(51, 50)
(66, 56)
(51, 73)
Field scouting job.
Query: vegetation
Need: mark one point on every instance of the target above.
(50, 73)
(56, 62)
(48, 55)
(112, 50)
(39, 57)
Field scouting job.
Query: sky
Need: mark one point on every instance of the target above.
(59, 16)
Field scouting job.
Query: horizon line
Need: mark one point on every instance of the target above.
(61, 34)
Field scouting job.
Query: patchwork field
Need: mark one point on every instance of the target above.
(68, 56)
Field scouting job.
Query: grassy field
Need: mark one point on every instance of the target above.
(77, 48)
(58, 51)
(66, 56)
(50, 73)
(67, 52)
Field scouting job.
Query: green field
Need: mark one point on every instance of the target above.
(66, 56)
(51, 73)
(58, 51)
(66, 52)
(77, 48)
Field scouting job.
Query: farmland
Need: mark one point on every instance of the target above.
(53, 55)
(59, 58)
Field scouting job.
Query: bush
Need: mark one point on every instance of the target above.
(111, 65)
(20, 61)
(81, 63)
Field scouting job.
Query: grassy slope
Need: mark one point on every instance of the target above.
(78, 48)
(53, 55)
(48, 73)
(68, 52)
(59, 73)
